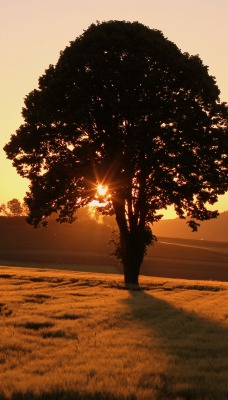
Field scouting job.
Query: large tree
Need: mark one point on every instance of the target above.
(123, 107)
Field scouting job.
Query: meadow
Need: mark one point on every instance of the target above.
(82, 335)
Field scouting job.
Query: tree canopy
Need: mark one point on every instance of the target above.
(123, 107)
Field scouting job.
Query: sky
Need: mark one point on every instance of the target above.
(33, 32)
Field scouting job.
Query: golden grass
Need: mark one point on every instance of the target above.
(74, 335)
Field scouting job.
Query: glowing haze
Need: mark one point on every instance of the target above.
(34, 32)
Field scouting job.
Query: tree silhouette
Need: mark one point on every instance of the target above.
(123, 107)
(13, 208)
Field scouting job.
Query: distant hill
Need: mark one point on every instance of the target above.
(15, 233)
(87, 234)
(84, 241)
(213, 230)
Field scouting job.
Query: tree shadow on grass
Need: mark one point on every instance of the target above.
(197, 347)
(67, 395)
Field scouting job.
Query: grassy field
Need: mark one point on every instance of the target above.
(169, 258)
(76, 335)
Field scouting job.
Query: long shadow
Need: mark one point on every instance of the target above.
(186, 338)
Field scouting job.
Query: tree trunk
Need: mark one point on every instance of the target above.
(132, 246)
(131, 273)
(132, 258)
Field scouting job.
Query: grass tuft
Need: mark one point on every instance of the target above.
(6, 276)
(200, 287)
(37, 325)
(4, 310)
(36, 298)
(68, 316)
(54, 334)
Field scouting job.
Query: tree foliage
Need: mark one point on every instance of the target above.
(125, 107)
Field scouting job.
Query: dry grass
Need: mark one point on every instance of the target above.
(74, 335)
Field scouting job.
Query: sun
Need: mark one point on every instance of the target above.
(102, 190)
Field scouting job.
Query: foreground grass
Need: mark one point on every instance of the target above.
(68, 335)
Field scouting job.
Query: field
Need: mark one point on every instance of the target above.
(82, 335)
(169, 258)
(84, 246)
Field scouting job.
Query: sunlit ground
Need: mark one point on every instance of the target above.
(76, 335)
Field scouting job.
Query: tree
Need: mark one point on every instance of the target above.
(125, 108)
(3, 210)
(13, 208)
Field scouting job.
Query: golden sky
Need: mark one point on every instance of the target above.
(33, 32)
